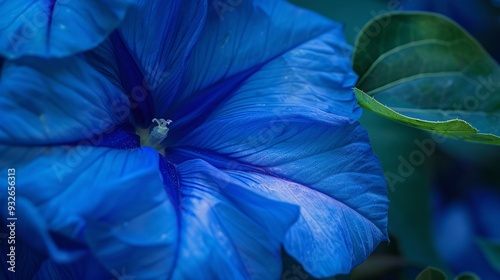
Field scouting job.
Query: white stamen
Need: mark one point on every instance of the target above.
(162, 122)
(159, 133)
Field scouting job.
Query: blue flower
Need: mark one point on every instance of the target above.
(460, 222)
(195, 141)
(465, 210)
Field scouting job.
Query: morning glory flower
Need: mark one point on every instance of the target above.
(460, 223)
(465, 211)
(196, 140)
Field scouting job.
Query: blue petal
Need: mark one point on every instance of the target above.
(109, 203)
(292, 125)
(314, 76)
(236, 42)
(327, 168)
(454, 235)
(58, 101)
(57, 28)
(330, 236)
(113, 204)
(227, 232)
(188, 76)
(152, 61)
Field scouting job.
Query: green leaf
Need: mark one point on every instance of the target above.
(431, 273)
(491, 251)
(455, 128)
(430, 74)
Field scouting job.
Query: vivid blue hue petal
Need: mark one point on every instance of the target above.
(57, 28)
(187, 83)
(316, 75)
(327, 168)
(330, 236)
(152, 46)
(107, 202)
(227, 232)
(454, 238)
(292, 125)
(235, 43)
(58, 101)
(111, 212)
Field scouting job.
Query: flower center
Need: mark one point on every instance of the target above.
(155, 137)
